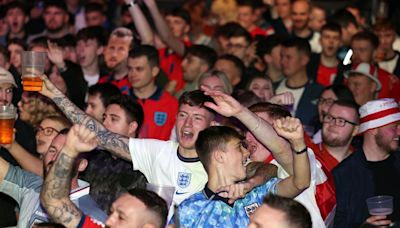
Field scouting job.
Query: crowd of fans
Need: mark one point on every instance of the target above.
(275, 113)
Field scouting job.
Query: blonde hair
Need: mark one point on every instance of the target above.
(38, 108)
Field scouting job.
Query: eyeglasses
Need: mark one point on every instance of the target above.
(337, 121)
(47, 131)
(327, 101)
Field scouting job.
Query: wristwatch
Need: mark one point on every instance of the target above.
(301, 151)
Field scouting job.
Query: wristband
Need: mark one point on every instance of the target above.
(301, 151)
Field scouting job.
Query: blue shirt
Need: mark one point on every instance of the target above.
(207, 209)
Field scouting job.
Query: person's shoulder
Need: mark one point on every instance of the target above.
(348, 164)
(194, 199)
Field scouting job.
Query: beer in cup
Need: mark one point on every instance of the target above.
(7, 119)
(32, 67)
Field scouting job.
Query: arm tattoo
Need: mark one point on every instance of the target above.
(115, 143)
(55, 192)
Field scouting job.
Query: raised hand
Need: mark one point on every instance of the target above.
(291, 129)
(80, 139)
(379, 220)
(285, 98)
(56, 54)
(225, 104)
(48, 89)
(234, 191)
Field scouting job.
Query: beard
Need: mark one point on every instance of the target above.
(335, 142)
(384, 143)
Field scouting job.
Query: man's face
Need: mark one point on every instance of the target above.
(386, 39)
(140, 73)
(283, 8)
(117, 50)
(192, 67)
(245, 16)
(212, 83)
(236, 159)
(317, 19)
(88, 52)
(127, 211)
(16, 19)
(363, 51)
(274, 59)
(229, 69)
(116, 121)
(55, 18)
(53, 152)
(189, 122)
(362, 88)
(94, 18)
(300, 15)
(336, 136)
(178, 26)
(95, 107)
(45, 133)
(291, 61)
(325, 102)
(387, 137)
(268, 217)
(238, 46)
(15, 54)
(6, 93)
(330, 42)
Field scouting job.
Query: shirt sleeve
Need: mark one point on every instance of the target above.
(144, 153)
(18, 183)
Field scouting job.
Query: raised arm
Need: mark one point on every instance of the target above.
(142, 25)
(115, 143)
(257, 174)
(264, 132)
(57, 184)
(292, 129)
(163, 29)
(4, 166)
(25, 159)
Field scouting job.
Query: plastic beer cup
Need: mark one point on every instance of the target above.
(7, 119)
(32, 67)
(380, 205)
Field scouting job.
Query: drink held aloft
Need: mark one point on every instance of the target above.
(32, 83)
(6, 130)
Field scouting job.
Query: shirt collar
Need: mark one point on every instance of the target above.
(214, 196)
(190, 160)
(155, 96)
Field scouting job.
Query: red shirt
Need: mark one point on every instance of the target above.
(326, 75)
(390, 85)
(257, 31)
(88, 222)
(160, 111)
(123, 84)
(170, 63)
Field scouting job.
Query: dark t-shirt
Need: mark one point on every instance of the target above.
(387, 182)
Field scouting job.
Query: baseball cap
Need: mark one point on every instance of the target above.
(6, 77)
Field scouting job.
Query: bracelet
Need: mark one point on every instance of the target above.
(131, 4)
(301, 151)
